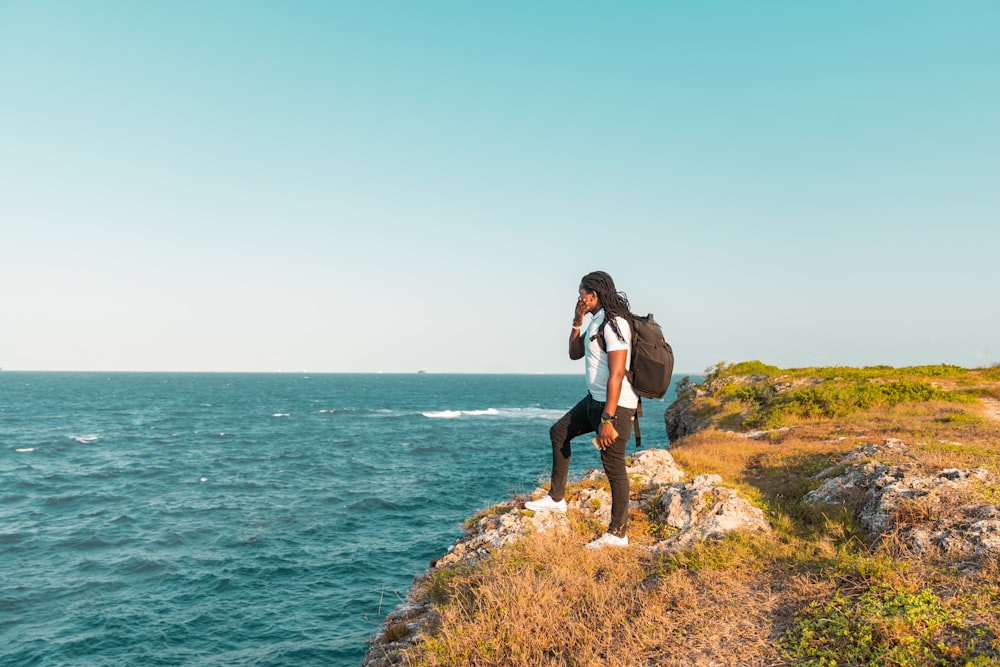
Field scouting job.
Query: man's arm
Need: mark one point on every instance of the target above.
(575, 344)
(576, 348)
(616, 373)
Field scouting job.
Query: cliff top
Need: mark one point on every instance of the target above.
(881, 545)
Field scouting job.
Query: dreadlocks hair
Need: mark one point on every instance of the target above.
(615, 303)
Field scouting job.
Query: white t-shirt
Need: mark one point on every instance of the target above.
(597, 361)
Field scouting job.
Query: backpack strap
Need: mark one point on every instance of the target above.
(599, 336)
(628, 373)
(635, 419)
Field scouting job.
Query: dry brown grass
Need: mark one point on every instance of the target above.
(747, 600)
(549, 601)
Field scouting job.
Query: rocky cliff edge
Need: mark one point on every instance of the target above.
(697, 509)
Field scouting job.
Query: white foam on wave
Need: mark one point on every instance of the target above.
(452, 414)
(547, 414)
(443, 414)
(85, 439)
(281, 414)
(25, 450)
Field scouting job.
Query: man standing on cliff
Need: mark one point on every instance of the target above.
(608, 406)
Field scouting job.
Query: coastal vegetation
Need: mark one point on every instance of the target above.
(820, 589)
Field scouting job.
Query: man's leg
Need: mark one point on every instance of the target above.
(613, 459)
(573, 423)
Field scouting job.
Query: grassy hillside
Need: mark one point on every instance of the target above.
(817, 590)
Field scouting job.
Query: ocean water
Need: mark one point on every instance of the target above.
(248, 519)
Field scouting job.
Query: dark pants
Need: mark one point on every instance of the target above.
(585, 417)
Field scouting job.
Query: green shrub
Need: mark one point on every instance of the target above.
(753, 368)
(759, 368)
(832, 399)
(940, 370)
(767, 408)
(764, 418)
(447, 583)
(883, 626)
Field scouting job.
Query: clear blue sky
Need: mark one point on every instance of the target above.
(388, 186)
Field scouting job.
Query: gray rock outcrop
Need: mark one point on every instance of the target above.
(679, 419)
(703, 509)
(928, 513)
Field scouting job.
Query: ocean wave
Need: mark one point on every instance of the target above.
(518, 413)
(369, 504)
(281, 414)
(88, 542)
(548, 414)
(425, 450)
(509, 413)
(140, 565)
(85, 439)
(443, 414)
(24, 450)
(452, 414)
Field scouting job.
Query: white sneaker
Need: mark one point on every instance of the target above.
(608, 540)
(546, 504)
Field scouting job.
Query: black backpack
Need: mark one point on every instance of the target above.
(651, 363)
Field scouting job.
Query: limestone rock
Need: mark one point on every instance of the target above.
(655, 467)
(495, 530)
(679, 419)
(702, 509)
(927, 512)
(757, 435)
(401, 629)
(651, 467)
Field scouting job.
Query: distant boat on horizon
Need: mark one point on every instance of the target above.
(423, 370)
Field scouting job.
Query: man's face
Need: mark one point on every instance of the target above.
(589, 300)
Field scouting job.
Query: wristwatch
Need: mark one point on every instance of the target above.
(606, 418)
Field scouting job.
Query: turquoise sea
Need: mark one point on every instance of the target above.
(248, 519)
